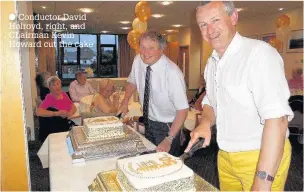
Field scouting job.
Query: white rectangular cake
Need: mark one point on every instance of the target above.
(154, 172)
(108, 127)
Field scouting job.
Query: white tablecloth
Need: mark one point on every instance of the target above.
(65, 176)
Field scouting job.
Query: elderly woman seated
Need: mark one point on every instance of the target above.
(102, 102)
(55, 110)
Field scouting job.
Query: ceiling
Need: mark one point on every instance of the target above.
(107, 14)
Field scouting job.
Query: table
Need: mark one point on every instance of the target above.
(65, 176)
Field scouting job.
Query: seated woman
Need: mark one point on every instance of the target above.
(55, 110)
(41, 82)
(102, 102)
(196, 101)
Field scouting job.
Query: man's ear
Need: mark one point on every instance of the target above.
(234, 17)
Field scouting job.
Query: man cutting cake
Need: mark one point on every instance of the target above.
(162, 93)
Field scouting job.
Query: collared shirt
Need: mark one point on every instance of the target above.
(78, 91)
(245, 87)
(167, 88)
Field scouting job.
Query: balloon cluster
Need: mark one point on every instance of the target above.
(282, 31)
(139, 24)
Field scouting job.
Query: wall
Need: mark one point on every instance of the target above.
(184, 37)
(262, 25)
(14, 156)
(195, 53)
(28, 71)
(253, 27)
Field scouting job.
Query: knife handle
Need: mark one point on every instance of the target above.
(196, 146)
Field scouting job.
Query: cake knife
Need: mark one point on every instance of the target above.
(186, 155)
(194, 148)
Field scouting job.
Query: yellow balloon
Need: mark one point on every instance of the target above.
(283, 33)
(142, 11)
(275, 43)
(138, 25)
(283, 20)
(133, 39)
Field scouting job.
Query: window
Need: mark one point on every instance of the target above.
(82, 51)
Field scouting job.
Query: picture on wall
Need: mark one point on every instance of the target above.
(267, 37)
(295, 41)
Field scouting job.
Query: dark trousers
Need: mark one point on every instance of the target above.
(48, 125)
(156, 132)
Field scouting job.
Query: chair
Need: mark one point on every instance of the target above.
(296, 124)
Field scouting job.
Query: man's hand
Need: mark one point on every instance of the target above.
(164, 146)
(123, 108)
(261, 185)
(204, 131)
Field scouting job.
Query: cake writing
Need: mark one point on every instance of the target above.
(151, 165)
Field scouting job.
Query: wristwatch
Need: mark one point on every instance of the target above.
(264, 176)
(170, 137)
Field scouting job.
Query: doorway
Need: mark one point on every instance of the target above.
(183, 62)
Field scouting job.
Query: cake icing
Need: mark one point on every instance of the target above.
(107, 127)
(154, 172)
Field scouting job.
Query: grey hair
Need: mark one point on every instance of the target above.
(79, 73)
(228, 6)
(154, 36)
(51, 80)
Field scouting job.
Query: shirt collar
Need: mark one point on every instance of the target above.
(158, 66)
(233, 47)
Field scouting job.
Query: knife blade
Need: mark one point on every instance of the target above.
(186, 155)
(194, 148)
(119, 115)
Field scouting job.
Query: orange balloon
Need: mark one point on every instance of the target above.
(275, 43)
(142, 11)
(282, 21)
(138, 25)
(137, 51)
(133, 39)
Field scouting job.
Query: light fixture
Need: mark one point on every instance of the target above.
(166, 3)
(177, 25)
(124, 22)
(125, 28)
(239, 9)
(280, 9)
(86, 10)
(171, 30)
(157, 15)
(104, 31)
(43, 7)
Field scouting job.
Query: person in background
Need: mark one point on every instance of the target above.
(297, 79)
(162, 92)
(102, 102)
(247, 98)
(196, 101)
(55, 110)
(80, 87)
(41, 82)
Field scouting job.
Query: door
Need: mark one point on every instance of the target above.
(183, 62)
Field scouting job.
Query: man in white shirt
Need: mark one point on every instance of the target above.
(80, 87)
(247, 98)
(162, 93)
